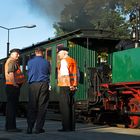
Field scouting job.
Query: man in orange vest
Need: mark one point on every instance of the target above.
(67, 81)
(14, 79)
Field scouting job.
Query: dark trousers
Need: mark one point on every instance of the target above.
(37, 106)
(67, 108)
(12, 93)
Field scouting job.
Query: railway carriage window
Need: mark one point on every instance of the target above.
(32, 55)
(102, 54)
(21, 63)
(1, 70)
(2, 63)
(102, 57)
(103, 67)
(27, 58)
(49, 55)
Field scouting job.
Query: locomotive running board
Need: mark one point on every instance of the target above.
(132, 113)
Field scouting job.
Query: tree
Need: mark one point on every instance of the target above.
(73, 17)
(97, 14)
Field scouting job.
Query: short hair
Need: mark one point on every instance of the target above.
(39, 49)
(15, 50)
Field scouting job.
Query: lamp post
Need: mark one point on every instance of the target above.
(8, 29)
(135, 22)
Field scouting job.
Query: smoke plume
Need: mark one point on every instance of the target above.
(49, 8)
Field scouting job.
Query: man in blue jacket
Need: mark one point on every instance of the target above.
(38, 79)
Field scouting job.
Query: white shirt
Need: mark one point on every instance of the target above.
(64, 68)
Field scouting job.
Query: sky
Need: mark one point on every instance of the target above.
(16, 13)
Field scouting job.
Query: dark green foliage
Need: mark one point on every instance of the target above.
(97, 14)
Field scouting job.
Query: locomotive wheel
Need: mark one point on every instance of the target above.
(134, 105)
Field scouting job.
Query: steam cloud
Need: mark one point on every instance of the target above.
(48, 8)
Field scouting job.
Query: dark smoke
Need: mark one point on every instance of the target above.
(49, 8)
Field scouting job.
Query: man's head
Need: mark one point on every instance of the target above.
(62, 52)
(39, 51)
(15, 53)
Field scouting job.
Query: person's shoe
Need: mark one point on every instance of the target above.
(39, 131)
(29, 130)
(14, 130)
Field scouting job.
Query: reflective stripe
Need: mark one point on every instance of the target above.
(72, 74)
(72, 79)
(9, 83)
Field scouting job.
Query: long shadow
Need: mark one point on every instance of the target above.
(4, 139)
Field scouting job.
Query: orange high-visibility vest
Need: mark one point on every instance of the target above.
(72, 78)
(18, 75)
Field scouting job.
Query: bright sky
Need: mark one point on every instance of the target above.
(15, 13)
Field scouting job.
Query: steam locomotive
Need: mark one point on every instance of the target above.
(109, 79)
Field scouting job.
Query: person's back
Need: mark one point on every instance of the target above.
(38, 79)
(38, 70)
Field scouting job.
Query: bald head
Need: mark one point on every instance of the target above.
(14, 55)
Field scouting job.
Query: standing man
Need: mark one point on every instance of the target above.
(67, 81)
(38, 78)
(14, 79)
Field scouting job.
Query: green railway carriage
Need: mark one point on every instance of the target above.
(109, 82)
(84, 45)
